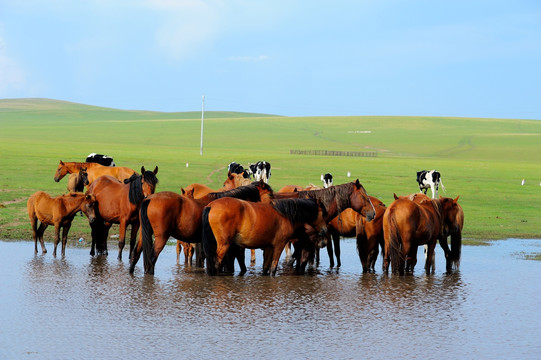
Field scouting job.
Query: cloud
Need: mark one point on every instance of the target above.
(187, 26)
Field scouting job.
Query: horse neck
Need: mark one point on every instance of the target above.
(73, 203)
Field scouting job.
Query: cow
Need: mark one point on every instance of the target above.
(261, 171)
(236, 168)
(327, 180)
(429, 179)
(100, 159)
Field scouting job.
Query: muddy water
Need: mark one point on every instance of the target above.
(83, 307)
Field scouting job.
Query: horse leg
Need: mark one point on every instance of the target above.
(65, 231)
(39, 235)
(430, 258)
(179, 249)
(136, 254)
(221, 251)
(267, 260)
(336, 240)
(188, 254)
(252, 257)
(133, 236)
(122, 238)
(277, 251)
(56, 237)
(330, 249)
(447, 252)
(288, 251)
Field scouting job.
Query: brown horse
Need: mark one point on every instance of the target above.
(118, 203)
(368, 234)
(94, 170)
(335, 199)
(168, 214)
(77, 181)
(231, 182)
(267, 226)
(58, 211)
(409, 223)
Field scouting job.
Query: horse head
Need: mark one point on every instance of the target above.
(451, 215)
(89, 207)
(360, 201)
(61, 171)
(149, 181)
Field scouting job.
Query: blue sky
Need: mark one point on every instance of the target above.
(420, 58)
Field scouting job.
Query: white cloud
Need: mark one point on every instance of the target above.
(187, 26)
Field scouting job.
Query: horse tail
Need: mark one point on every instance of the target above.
(209, 242)
(394, 244)
(146, 233)
(456, 247)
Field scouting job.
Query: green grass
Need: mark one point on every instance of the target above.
(482, 160)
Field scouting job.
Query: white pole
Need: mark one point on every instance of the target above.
(202, 119)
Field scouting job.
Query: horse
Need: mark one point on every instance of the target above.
(94, 170)
(335, 199)
(409, 223)
(78, 181)
(232, 181)
(58, 211)
(294, 188)
(257, 225)
(119, 203)
(189, 250)
(167, 214)
(452, 228)
(368, 234)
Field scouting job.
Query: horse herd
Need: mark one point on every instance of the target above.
(218, 225)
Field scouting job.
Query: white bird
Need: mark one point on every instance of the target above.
(522, 182)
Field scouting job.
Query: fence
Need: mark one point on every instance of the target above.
(334, 153)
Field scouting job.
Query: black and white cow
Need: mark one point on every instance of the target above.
(100, 159)
(429, 179)
(327, 180)
(261, 171)
(236, 168)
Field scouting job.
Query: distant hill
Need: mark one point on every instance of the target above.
(29, 107)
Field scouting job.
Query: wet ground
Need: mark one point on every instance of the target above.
(84, 307)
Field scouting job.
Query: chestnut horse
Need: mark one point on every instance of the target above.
(118, 203)
(78, 181)
(368, 234)
(410, 223)
(94, 170)
(58, 211)
(267, 226)
(231, 182)
(335, 199)
(168, 214)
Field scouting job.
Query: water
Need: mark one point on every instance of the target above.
(83, 307)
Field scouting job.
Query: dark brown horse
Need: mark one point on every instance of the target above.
(335, 199)
(368, 234)
(77, 181)
(58, 211)
(267, 226)
(168, 214)
(118, 203)
(94, 170)
(409, 223)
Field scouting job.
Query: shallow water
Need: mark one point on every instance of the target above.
(84, 307)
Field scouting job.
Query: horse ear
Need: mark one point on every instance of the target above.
(142, 169)
(61, 162)
(456, 199)
(155, 170)
(182, 191)
(395, 197)
(358, 184)
(230, 175)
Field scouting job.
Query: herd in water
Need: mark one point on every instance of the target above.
(217, 225)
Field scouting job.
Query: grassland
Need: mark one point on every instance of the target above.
(482, 160)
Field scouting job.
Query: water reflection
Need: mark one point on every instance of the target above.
(95, 308)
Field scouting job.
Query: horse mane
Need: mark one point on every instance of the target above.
(297, 210)
(136, 187)
(339, 193)
(247, 192)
